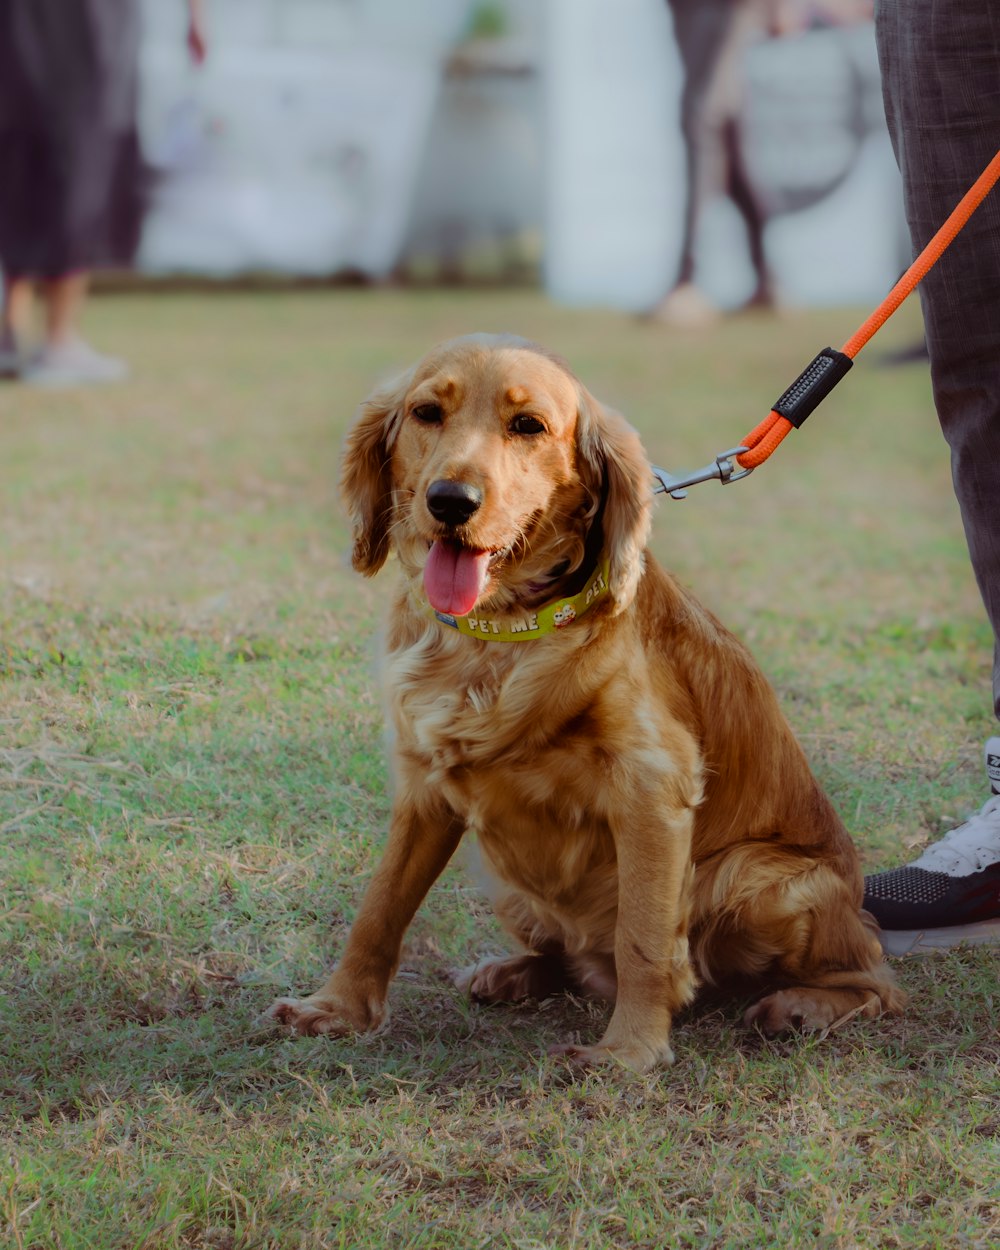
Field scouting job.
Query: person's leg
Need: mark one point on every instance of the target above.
(65, 358)
(941, 67)
(64, 300)
(712, 38)
(15, 322)
(940, 62)
(742, 193)
(701, 28)
(18, 300)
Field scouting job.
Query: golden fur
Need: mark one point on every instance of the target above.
(644, 814)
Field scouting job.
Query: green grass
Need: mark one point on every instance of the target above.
(193, 789)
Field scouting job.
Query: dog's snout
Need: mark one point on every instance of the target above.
(453, 503)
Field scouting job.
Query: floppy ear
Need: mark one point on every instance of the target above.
(614, 465)
(366, 474)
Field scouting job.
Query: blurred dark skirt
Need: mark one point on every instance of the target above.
(71, 171)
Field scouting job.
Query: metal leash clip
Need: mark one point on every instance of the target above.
(724, 468)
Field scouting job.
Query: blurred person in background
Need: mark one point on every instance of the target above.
(940, 63)
(713, 37)
(70, 172)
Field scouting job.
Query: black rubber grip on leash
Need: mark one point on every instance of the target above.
(812, 386)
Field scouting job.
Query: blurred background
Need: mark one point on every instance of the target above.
(520, 141)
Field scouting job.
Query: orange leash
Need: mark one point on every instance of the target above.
(822, 375)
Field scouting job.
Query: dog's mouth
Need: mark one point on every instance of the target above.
(456, 576)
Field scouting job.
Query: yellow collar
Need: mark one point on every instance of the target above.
(532, 623)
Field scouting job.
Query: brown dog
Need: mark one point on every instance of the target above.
(643, 811)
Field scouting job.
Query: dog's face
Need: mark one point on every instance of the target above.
(485, 468)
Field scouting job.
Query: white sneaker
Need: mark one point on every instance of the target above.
(74, 363)
(951, 894)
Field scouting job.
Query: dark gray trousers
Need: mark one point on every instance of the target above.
(940, 64)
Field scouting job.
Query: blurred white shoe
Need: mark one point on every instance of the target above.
(11, 361)
(73, 363)
(687, 308)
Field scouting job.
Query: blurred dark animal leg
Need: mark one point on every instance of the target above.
(701, 30)
(742, 193)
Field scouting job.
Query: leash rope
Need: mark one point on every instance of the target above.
(817, 380)
(826, 369)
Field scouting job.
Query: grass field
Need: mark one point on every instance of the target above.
(192, 791)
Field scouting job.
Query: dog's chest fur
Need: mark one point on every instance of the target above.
(520, 759)
(469, 718)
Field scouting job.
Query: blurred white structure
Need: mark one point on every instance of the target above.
(325, 136)
(479, 205)
(614, 171)
(297, 146)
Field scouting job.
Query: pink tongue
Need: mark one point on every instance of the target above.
(454, 577)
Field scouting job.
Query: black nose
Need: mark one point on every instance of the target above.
(453, 502)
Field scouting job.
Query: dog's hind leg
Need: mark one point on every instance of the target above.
(779, 916)
(511, 978)
(540, 971)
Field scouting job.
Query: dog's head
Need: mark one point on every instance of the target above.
(493, 474)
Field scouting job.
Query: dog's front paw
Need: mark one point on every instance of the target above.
(637, 1056)
(324, 1014)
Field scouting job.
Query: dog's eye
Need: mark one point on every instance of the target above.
(525, 423)
(428, 414)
